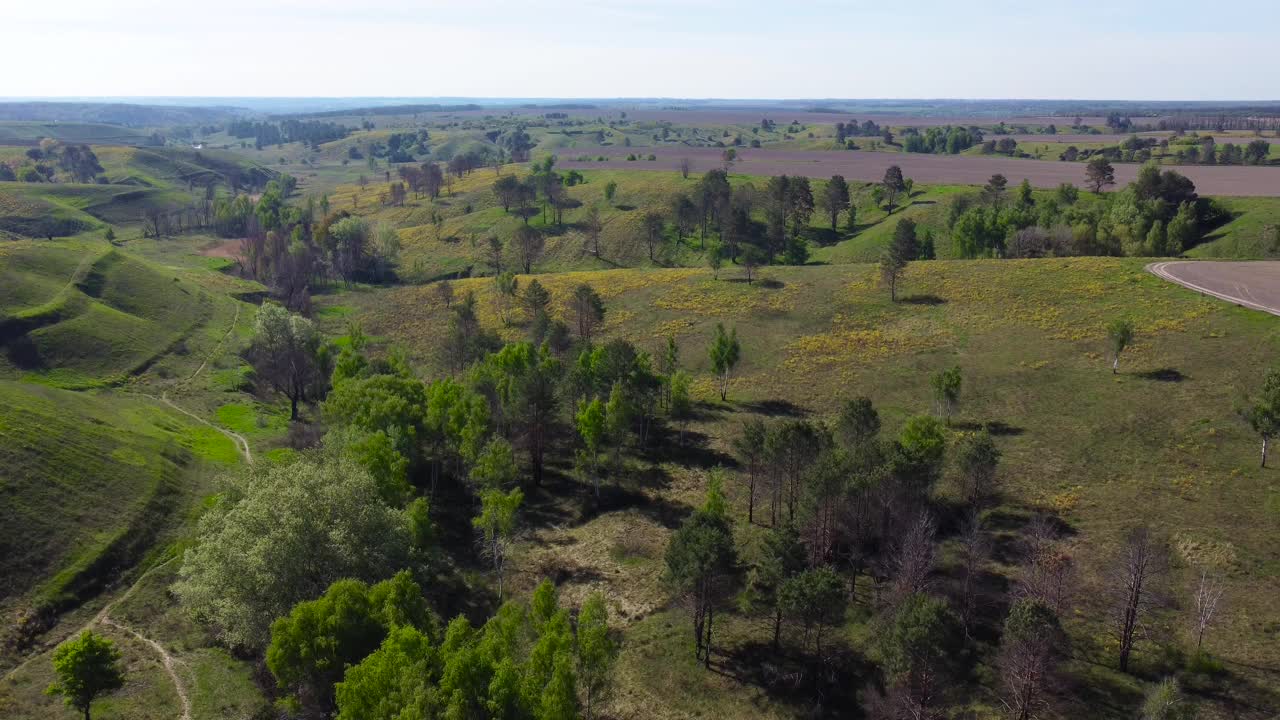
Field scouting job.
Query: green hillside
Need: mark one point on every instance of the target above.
(96, 321)
(89, 480)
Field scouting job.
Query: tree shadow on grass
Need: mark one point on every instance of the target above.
(922, 300)
(687, 449)
(774, 408)
(997, 428)
(1239, 696)
(766, 283)
(1165, 374)
(817, 687)
(662, 511)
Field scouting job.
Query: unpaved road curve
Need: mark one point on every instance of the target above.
(1253, 285)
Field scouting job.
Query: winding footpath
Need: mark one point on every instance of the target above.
(104, 618)
(168, 661)
(1250, 284)
(242, 445)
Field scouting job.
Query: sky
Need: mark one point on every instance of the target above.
(1084, 49)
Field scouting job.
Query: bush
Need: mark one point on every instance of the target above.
(1203, 664)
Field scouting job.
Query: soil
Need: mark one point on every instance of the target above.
(1234, 180)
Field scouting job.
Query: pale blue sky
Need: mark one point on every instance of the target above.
(664, 48)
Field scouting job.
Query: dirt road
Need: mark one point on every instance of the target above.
(1253, 285)
(1233, 180)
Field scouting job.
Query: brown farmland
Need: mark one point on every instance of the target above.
(1071, 139)
(933, 169)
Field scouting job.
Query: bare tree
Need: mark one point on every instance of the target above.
(1050, 571)
(975, 552)
(444, 293)
(591, 228)
(914, 560)
(685, 167)
(530, 244)
(1208, 595)
(587, 310)
(1132, 577)
(1030, 648)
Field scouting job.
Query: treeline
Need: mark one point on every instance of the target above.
(311, 132)
(44, 163)
(1159, 214)
(1261, 118)
(394, 110)
(290, 248)
(1183, 150)
(939, 140)
(853, 129)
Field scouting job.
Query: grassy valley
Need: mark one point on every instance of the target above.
(511, 421)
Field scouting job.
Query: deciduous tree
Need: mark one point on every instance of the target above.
(247, 568)
(288, 353)
(725, 353)
(1120, 336)
(1099, 173)
(85, 669)
(946, 392)
(497, 525)
(1264, 414)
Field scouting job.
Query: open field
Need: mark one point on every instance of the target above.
(1113, 139)
(942, 169)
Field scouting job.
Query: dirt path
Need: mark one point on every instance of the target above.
(1255, 285)
(104, 618)
(241, 444)
(217, 348)
(165, 658)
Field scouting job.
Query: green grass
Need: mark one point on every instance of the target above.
(1159, 442)
(110, 316)
(89, 481)
(1252, 232)
(60, 209)
(472, 214)
(256, 421)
